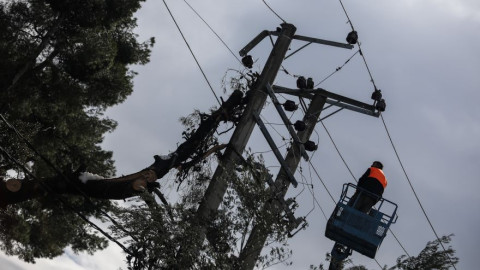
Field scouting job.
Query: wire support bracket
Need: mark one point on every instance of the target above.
(332, 98)
(275, 150)
(287, 122)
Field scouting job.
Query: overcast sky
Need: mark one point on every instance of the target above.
(422, 54)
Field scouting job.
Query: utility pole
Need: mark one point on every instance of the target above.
(218, 185)
(261, 230)
(258, 94)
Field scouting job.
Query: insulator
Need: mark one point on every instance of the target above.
(247, 61)
(299, 125)
(377, 95)
(310, 146)
(290, 106)
(310, 83)
(352, 37)
(301, 82)
(381, 105)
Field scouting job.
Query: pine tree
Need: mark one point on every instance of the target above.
(63, 63)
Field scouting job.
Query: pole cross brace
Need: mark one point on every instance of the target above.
(275, 150)
(266, 33)
(287, 123)
(332, 98)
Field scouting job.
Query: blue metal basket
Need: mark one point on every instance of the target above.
(357, 230)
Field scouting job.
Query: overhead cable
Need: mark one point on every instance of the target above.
(391, 141)
(338, 151)
(274, 12)
(375, 88)
(359, 45)
(337, 69)
(190, 49)
(225, 44)
(413, 190)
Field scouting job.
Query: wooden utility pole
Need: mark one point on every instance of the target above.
(258, 94)
(261, 230)
(218, 185)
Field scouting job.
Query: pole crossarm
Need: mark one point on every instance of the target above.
(254, 42)
(319, 41)
(332, 98)
(266, 33)
(287, 123)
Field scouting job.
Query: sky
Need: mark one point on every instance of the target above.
(423, 56)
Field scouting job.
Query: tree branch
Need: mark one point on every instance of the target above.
(15, 191)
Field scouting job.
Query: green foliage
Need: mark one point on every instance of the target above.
(431, 257)
(162, 237)
(63, 63)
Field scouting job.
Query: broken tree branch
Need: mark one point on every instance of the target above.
(133, 184)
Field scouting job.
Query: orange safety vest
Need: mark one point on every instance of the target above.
(378, 174)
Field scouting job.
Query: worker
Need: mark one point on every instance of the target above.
(374, 182)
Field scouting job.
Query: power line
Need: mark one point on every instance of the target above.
(391, 141)
(375, 87)
(274, 12)
(338, 151)
(337, 69)
(190, 49)
(234, 55)
(297, 50)
(311, 166)
(282, 67)
(310, 188)
(413, 189)
(47, 188)
(359, 46)
(346, 165)
(321, 180)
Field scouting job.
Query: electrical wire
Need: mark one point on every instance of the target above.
(274, 12)
(359, 46)
(413, 189)
(297, 50)
(269, 151)
(393, 146)
(321, 180)
(282, 68)
(348, 168)
(193, 54)
(337, 69)
(225, 44)
(47, 188)
(279, 134)
(310, 188)
(338, 151)
(375, 87)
